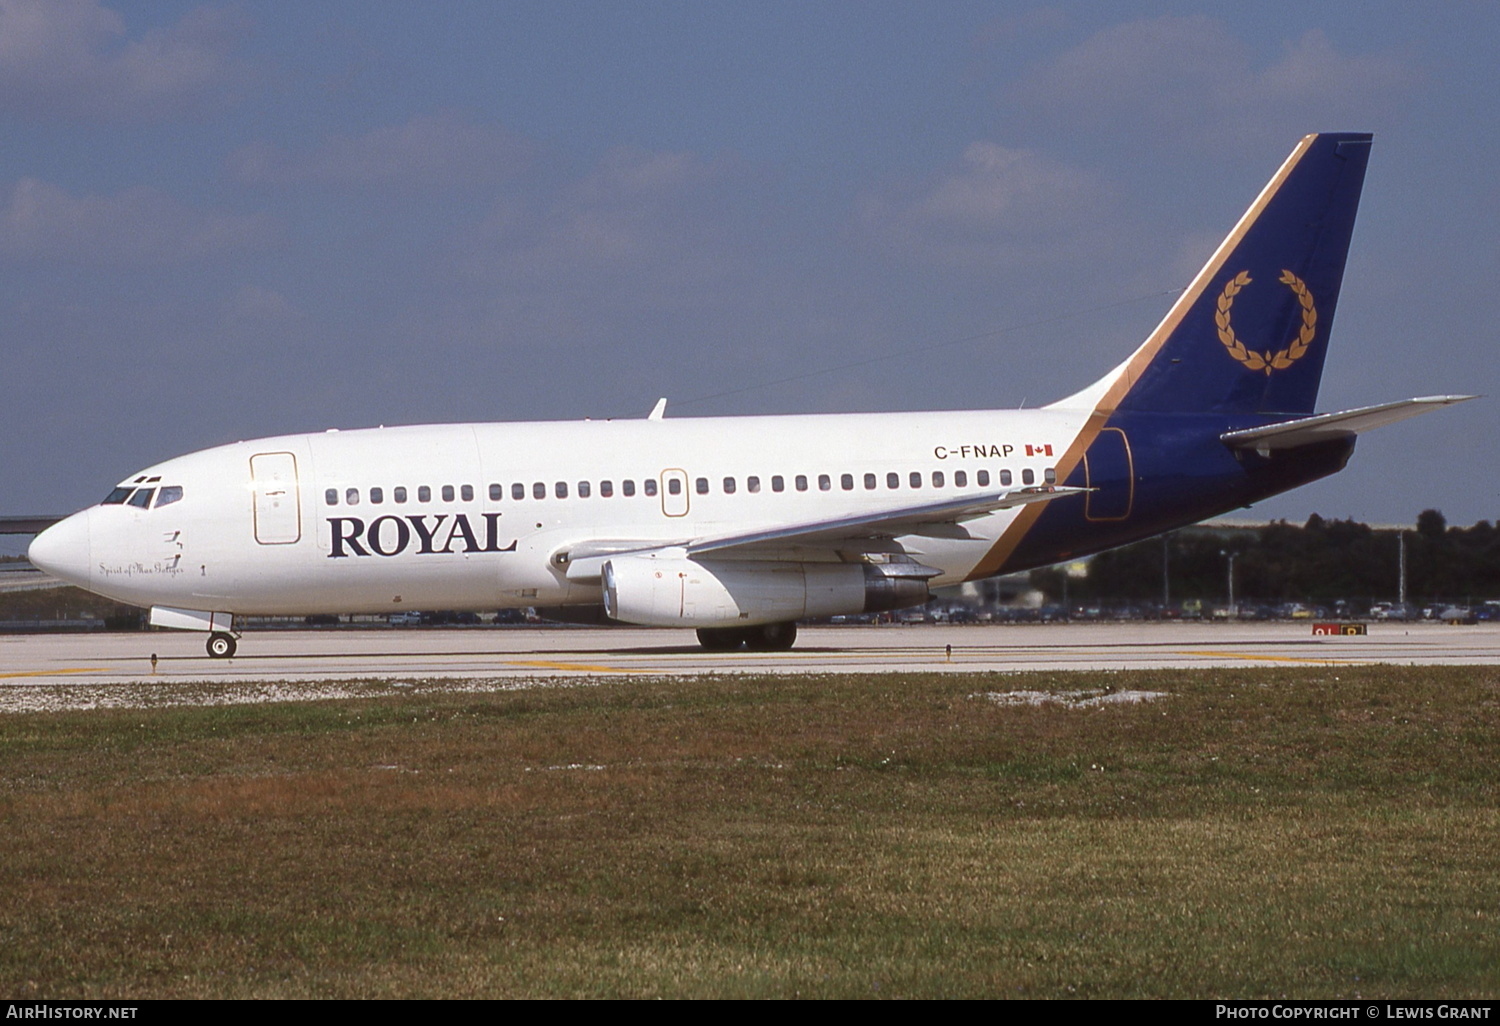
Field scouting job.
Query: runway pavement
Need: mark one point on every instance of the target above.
(111, 669)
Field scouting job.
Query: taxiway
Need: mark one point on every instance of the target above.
(501, 654)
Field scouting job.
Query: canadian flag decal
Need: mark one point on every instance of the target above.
(1039, 450)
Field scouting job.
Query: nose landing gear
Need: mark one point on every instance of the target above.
(221, 645)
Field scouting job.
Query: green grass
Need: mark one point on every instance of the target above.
(1255, 833)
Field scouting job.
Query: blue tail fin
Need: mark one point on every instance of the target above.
(1249, 335)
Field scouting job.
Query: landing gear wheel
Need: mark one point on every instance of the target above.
(774, 637)
(220, 645)
(720, 639)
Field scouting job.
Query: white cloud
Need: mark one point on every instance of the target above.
(431, 151)
(997, 207)
(72, 58)
(627, 173)
(1188, 81)
(646, 215)
(40, 221)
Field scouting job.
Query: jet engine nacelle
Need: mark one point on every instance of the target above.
(672, 592)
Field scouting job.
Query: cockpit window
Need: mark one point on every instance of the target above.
(142, 497)
(118, 496)
(168, 495)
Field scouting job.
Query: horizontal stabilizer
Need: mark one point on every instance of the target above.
(1305, 430)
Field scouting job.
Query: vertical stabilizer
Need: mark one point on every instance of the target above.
(1250, 333)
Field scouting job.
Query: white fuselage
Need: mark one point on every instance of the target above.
(390, 519)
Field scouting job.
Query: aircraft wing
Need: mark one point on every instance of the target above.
(587, 559)
(1305, 430)
(881, 524)
(21, 575)
(26, 525)
(25, 577)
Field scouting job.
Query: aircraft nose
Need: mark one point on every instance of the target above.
(62, 550)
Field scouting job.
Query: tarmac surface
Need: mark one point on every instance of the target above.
(92, 670)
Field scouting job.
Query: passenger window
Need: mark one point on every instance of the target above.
(674, 487)
(518, 491)
(825, 482)
(1050, 475)
(447, 493)
(496, 493)
(377, 496)
(937, 479)
(1005, 478)
(606, 489)
(982, 478)
(331, 497)
(960, 479)
(560, 489)
(1028, 477)
(893, 480)
(142, 497)
(916, 479)
(351, 496)
(627, 487)
(846, 482)
(424, 493)
(801, 482)
(701, 484)
(729, 486)
(752, 484)
(870, 482)
(400, 493)
(539, 490)
(583, 489)
(119, 495)
(649, 486)
(168, 495)
(778, 483)
(466, 493)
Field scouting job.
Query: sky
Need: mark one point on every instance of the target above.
(228, 221)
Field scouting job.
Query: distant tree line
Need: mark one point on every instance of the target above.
(1319, 562)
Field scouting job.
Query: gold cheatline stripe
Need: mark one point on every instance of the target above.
(1005, 546)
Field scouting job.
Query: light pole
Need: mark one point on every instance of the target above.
(1166, 577)
(1233, 609)
(1401, 585)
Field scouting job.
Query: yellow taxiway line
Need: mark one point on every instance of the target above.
(1270, 658)
(48, 673)
(580, 667)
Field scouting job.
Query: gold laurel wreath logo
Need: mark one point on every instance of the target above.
(1267, 361)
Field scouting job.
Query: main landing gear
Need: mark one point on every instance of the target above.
(770, 637)
(221, 645)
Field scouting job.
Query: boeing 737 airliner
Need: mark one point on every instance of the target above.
(740, 527)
